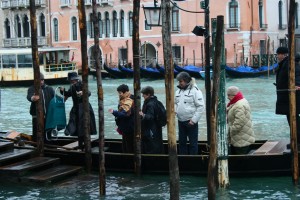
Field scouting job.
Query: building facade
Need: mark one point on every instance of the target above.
(252, 28)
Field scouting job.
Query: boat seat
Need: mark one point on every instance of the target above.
(272, 147)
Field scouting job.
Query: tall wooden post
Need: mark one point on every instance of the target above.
(96, 52)
(207, 69)
(202, 55)
(137, 86)
(212, 167)
(37, 83)
(293, 131)
(85, 97)
(169, 86)
(268, 55)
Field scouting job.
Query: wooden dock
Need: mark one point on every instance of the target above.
(22, 165)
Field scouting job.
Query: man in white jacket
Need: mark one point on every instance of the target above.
(189, 106)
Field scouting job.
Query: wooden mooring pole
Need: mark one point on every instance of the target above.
(293, 132)
(37, 83)
(169, 86)
(137, 86)
(85, 97)
(97, 56)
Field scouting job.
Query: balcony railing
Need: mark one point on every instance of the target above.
(233, 26)
(282, 26)
(105, 2)
(6, 4)
(23, 42)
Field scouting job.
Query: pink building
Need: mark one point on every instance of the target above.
(249, 25)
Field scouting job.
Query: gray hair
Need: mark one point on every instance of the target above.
(184, 76)
(233, 90)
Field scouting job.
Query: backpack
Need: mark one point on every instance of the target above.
(161, 114)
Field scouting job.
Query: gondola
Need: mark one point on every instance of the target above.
(161, 69)
(202, 74)
(126, 70)
(191, 69)
(266, 158)
(115, 72)
(151, 72)
(247, 72)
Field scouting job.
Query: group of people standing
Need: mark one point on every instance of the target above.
(189, 107)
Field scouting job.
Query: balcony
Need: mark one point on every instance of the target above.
(23, 42)
(233, 26)
(105, 2)
(9, 4)
(282, 26)
(263, 26)
(65, 3)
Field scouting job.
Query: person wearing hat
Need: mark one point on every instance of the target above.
(240, 128)
(47, 93)
(189, 107)
(75, 125)
(282, 87)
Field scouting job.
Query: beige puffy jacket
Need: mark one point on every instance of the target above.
(240, 124)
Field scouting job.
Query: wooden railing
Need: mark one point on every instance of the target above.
(60, 67)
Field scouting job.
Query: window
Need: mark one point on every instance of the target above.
(26, 26)
(115, 24)
(175, 19)
(7, 28)
(122, 22)
(283, 42)
(9, 61)
(262, 45)
(146, 26)
(100, 22)
(260, 11)
(90, 27)
(130, 25)
(25, 60)
(42, 25)
(74, 28)
(18, 26)
(123, 55)
(233, 14)
(107, 25)
(176, 51)
(280, 14)
(55, 24)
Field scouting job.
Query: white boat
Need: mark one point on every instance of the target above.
(16, 65)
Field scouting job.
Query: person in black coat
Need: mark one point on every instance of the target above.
(75, 125)
(152, 141)
(47, 95)
(282, 86)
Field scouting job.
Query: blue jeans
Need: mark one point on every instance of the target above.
(191, 132)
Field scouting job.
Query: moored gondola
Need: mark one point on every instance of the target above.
(247, 72)
(194, 71)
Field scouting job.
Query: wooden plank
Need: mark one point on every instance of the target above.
(52, 174)
(280, 147)
(266, 147)
(26, 165)
(16, 153)
(6, 145)
(74, 145)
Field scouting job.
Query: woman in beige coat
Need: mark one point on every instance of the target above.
(240, 128)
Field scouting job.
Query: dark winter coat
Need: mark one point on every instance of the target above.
(75, 125)
(282, 85)
(151, 130)
(47, 95)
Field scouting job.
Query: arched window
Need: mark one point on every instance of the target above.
(74, 28)
(55, 25)
(280, 14)
(100, 22)
(130, 25)
(175, 19)
(260, 11)
(42, 25)
(7, 28)
(26, 29)
(115, 24)
(18, 26)
(296, 16)
(233, 14)
(122, 22)
(107, 25)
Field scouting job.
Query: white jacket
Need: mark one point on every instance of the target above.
(240, 124)
(189, 103)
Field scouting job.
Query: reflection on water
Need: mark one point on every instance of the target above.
(260, 92)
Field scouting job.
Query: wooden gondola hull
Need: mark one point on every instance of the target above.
(239, 165)
(236, 73)
(193, 71)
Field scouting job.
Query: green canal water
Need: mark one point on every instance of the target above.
(260, 92)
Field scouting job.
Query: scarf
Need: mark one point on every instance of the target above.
(125, 102)
(235, 99)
